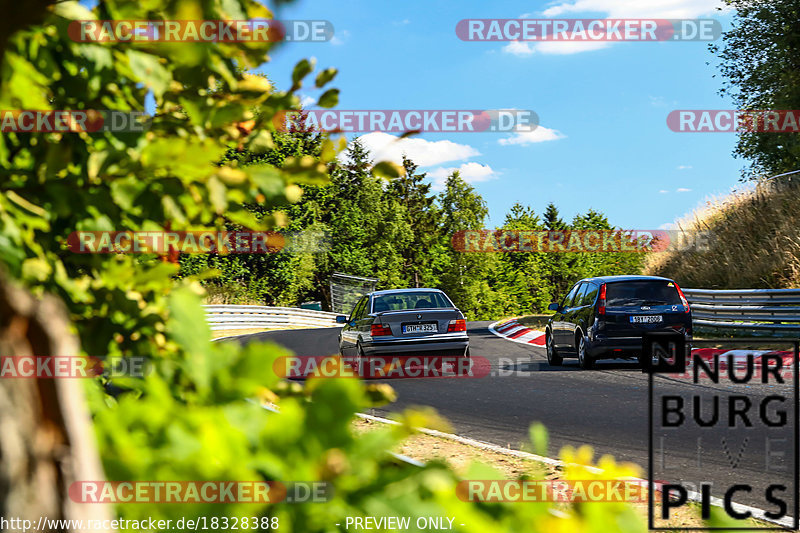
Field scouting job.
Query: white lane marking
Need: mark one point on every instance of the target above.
(477, 443)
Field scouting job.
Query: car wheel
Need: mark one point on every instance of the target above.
(584, 359)
(553, 359)
(361, 360)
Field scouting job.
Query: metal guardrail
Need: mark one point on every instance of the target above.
(256, 316)
(756, 309)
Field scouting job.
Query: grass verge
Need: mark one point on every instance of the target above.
(535, 322)
(459, 456)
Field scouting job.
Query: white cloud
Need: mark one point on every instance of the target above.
(668, 226)
(684, 167)
(667, 9)
(384, 146)
(570, 47)
(307, 101)
(519, 48)
(663, 191)
(538, 135)
(683, 189)
(613, 9)
(340, 38)
(470, 172)
(526, 48)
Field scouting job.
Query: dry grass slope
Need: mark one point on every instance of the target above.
(753, 241)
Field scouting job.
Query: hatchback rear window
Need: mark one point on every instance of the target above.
(403, 301)
(652, 292)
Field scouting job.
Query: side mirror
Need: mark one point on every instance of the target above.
(552, 307)
(341, 319)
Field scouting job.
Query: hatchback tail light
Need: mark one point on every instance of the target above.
(380, 330)
(601, 302)
(683, 298)
(457, 325)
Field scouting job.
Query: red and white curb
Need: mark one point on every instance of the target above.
(515, 332)
(739, 357)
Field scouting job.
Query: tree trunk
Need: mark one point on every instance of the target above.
(46, 437)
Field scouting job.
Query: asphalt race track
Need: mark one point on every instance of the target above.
(606, 407)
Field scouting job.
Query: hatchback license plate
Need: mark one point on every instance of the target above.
(647, 319)
(420, 328)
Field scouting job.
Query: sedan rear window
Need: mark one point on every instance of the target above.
(651, 292)
(402, 301)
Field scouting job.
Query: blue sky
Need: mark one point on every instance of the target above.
(603, 141)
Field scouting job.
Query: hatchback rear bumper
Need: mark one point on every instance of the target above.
(602, 347)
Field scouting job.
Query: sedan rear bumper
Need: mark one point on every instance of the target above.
(448, 346)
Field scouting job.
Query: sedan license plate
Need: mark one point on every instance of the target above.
(420, 328)
(647, 319)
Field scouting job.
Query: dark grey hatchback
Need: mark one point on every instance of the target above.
(605, 317)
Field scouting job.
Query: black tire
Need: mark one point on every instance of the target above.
(553, 359)
(361, 360)
(585, 361)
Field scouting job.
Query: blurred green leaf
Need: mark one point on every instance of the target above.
(325, 77)
(302, 69)
(329, 98)
(148, 70)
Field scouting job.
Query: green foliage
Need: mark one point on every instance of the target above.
(398, 231)
(465, 277)
(166, 177)
(210, 161)
(421, 214)
(760, 62)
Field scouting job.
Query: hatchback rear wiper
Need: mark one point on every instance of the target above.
(654, 302)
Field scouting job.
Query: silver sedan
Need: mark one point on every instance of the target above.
(404, 323)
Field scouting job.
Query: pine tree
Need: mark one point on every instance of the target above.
(411, 191)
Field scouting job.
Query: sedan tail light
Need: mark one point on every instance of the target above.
(683, 298)
(380, 330)
(601, 302)
(457, 325)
